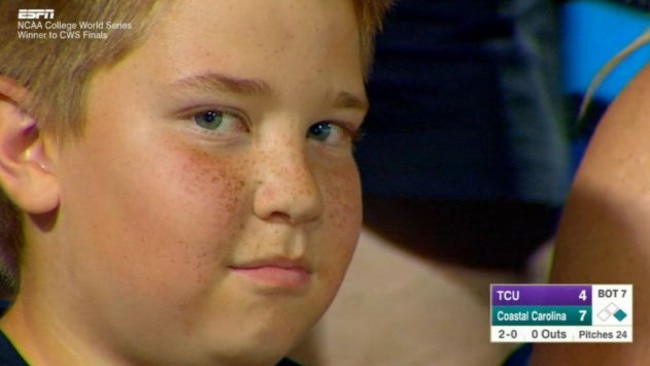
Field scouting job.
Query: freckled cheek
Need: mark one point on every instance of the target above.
(343, 214)
(343, 195)
(200, 208)
(211, 191)
(340, 233)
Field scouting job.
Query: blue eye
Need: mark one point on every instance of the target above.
(210, 120)
(320, 131)
(331, 133)
(220, 123)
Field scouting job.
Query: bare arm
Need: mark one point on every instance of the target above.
(604, 236)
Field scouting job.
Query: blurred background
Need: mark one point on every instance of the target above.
(470, 146)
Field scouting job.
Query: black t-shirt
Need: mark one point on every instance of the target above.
(8, 354)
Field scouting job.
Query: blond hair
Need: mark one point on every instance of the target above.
(57, 72)
(602, 74)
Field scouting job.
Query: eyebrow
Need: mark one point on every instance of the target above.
(216, 82)
(350, 101)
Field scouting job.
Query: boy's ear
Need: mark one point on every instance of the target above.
(25, 168)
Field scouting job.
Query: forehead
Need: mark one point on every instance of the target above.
(269, 38)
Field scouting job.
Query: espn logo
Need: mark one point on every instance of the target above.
(36, 14)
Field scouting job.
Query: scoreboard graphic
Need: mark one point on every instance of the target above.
(577, 313)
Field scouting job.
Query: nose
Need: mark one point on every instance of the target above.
(287, 188)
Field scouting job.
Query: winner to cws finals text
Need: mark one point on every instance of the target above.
(39, 24)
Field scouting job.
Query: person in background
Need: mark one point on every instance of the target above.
(465, 156)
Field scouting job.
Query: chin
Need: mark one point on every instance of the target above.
(259, 346)
(260, 354)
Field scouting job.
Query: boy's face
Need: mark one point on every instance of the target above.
(212, 206)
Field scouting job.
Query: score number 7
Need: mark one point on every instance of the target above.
(582, 296)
